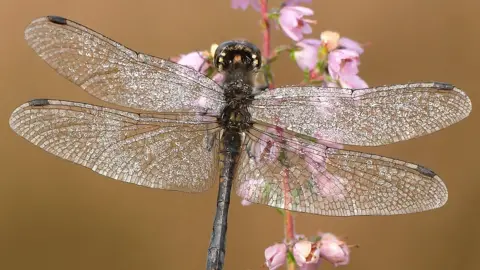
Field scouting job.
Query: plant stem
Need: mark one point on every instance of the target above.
(288, 218)
(266, 37)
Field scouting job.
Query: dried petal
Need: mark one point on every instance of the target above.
(306, 253)
(330, 40)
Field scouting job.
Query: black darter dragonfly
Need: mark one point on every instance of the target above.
(279, 147)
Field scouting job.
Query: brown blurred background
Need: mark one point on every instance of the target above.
(55, 215)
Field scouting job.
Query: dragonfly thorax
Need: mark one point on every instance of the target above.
(238, 88)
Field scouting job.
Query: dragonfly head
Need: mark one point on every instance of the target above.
(237, 54)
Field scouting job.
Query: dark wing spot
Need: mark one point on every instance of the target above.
(57, 19)
(426, 171)
(443, 86)
(38, 102)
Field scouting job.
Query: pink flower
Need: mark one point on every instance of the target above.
(218, 78)
(330, 185)
(307, 58)
(333, 250)
(343, 66)
(194, 60)
(245, 202)
(292, 22)
(306, 254)
(243, 4)
(247, 189)
(350, 45)
(352, 82)
(296, 2)
(343, 61)
(266, 149)
(275, 256)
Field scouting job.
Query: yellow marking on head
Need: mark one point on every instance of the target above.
(213, 48)
(255, 62)
(254, 56)
(237, 58)
(223, 54)
(220, 59)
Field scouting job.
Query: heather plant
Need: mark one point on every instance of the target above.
(327, 59)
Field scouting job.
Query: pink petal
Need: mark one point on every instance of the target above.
(310, 266)
(218, 78)
(296, 2)
(337, 59)
(307, 58)
(275, 256)
(288, 19)
(334, 250)
(311, 42)
(243, 4)
(256, 5)
(352, 82)
(306, 29)
(351, 45)
(293, 33)
(303, 11)
(266, 149)
(346, 54)
(245, 203)
(194, 60)
(330, 186)
(350, 67)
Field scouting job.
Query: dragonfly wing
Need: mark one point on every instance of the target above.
(116, 74)
(365, 117)
(297, 173)
(174, 151)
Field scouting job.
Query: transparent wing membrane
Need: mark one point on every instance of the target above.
(298, 173)
(116, 74)
(366, 117)
(291, 158)
(144, 149)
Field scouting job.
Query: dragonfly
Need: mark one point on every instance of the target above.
(280, 147)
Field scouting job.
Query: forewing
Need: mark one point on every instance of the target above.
(116, 74)
(174, 151)
(366, 117)
(303, 174)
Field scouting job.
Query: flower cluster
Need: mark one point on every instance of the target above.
(329, 61)
(309, 254)
(201, 61)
